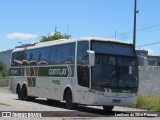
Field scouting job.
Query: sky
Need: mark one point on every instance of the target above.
(26, 21)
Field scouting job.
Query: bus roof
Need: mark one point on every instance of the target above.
(63, 41)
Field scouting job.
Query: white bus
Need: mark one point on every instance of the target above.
(85, 71)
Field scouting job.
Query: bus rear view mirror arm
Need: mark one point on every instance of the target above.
(91, 57)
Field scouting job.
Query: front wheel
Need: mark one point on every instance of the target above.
(69, 103)
(108, 108)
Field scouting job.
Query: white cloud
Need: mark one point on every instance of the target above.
(21, 36)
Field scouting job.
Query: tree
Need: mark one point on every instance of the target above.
(55, 36)
(3, 69)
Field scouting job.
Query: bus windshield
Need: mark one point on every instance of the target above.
(114, 70)
(127, 76)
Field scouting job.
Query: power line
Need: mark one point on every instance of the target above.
(148, 44)
(143, 32)
(148, 27)
(141, 29)
(148, 31)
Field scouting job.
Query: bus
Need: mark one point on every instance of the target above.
(83, 71)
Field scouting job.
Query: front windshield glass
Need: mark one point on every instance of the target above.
(113, 72)
(103, 73)
(115, 65)
(127, 72)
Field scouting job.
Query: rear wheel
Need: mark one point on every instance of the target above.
(24, 93)
(108, 108)
(19, 92)
(31, 98)
(69, 102)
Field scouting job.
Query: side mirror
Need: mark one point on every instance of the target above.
(91, 57)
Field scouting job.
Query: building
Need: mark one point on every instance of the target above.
(142, 53)
(152, 60)
(5, 57)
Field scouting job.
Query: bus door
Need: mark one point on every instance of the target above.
(83, 70)
(83, 81)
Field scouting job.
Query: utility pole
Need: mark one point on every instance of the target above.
(134, 29)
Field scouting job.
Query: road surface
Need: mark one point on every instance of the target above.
(49, 111)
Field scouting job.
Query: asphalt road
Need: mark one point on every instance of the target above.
(49, 111)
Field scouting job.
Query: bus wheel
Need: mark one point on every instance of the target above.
(108, 108)
(68, 98)
(19, 92)
(24, 93)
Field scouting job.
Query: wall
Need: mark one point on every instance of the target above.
(149, 80)
(4, 83)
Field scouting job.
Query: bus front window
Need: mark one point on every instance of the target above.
(115, 66)
(127, 72)
(114, 72)
(103, 73)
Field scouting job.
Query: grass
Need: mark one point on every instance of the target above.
(148, 102)
(3, 78)
(4, 104)
(4, 89)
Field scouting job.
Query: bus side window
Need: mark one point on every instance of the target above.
(34, 56)
(68, 55)
(13, 59)
(26, 58)
(24, 61)
(56, 54)
(17, 58)
(82, 55)
(43, 56)
(82, 61)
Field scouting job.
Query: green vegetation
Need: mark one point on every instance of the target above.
(4, 89)
(57, 35)
(148, 102)
(4, 78)
(3, 70)
(4, 104)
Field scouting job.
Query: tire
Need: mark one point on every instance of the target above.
(108, 108)
(30, 98)
(24, 93)
(69, 103)
(19, 92)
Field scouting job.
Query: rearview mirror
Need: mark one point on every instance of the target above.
(91, 57)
